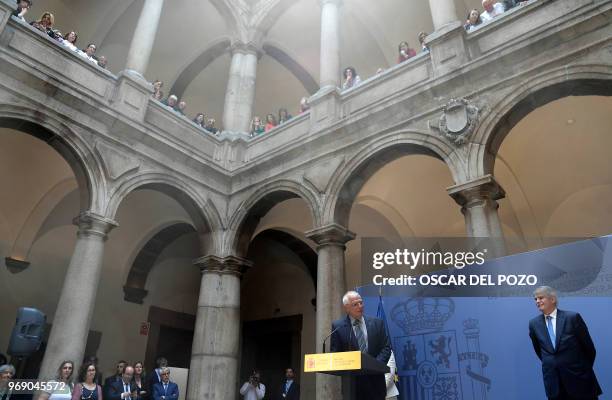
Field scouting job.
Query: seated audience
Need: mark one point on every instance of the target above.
(199, 119)
(45, 23)
(102, 61)
(157, 93)
(87, 387)
(22, 8)
(70, 41)
(473, 20)
(88, 53)
(270, 122)
(210, 126)
(350, 78)
(283, 115)
(64, 374)
(180, 107)
(491, 10)
(422, 36)
(257, 127)
(304, 106)
(405, 52)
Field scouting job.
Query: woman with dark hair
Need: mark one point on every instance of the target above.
(283, 115)
(473, 20)
(422, 36)
(140, 379)
(405, 52)
(64, 375)
(199, 121)
(87, 389)
(70, 41)
(270, 122)
(350, 78)
(45, 24)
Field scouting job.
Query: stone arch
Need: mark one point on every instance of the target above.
(282, 56)
(301, 249)
(347, 183)
(85, 164)
(142, 263)
(203, 214)
(546, 87)
(187, 74)
(245, 219)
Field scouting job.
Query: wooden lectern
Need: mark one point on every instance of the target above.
(347, 364)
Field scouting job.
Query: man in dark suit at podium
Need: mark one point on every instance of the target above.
(368, 334)
(562, 341)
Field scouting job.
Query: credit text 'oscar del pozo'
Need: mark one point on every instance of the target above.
(413, 259)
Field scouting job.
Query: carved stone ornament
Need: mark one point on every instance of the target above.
(458, 120)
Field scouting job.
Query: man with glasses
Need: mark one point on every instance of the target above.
(165, 390)
(357, 332)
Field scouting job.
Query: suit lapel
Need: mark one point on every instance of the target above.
(560, 326)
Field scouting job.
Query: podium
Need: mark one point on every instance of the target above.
(349, 365)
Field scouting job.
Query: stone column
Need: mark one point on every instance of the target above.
(213, 372)
(6, 8)
(330, 43)
(240, 93)
(442, 12)
(78, 297)
(478, 201)
(331, 240)
(144, 36)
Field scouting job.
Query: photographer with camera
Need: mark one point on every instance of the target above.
(253, 389)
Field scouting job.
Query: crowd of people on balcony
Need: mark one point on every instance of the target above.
(490, 10)
(350, 77)
(46, 24)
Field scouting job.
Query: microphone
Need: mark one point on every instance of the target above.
(328, 336)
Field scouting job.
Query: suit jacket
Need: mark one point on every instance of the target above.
(570, 361)
(116, 388)
(108, 382)
(292, 394)
(153, 379)
(370, 387)
(172, 393)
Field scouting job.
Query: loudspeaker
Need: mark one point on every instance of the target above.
(27, 333)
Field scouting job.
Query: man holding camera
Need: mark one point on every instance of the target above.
(253, 389)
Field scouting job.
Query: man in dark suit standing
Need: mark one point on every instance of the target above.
(357, 332)
(165, 390)
(124, 389)
(154, 377)
(108, 382)
(290, 389)
(562, 342)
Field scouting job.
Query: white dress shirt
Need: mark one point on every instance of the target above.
(251, 392)
(498, 8)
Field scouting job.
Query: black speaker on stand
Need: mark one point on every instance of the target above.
(26, 337)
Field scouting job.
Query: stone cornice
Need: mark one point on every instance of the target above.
(332, 234)
(476, 191)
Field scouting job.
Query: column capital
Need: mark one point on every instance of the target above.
(239, 46)
(331, 234)
(92, 224)
(476, 191)
(232, 265)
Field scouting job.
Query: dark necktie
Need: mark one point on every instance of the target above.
(359, 334)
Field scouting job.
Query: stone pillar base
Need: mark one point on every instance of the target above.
(448, 48)
(6, 9)
(132, 94)
(325, 107)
